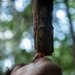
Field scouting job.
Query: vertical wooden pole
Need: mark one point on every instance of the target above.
(43, 29)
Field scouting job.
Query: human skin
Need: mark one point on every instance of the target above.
(41, 66)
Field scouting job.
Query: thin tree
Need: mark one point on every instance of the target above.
(71, 29)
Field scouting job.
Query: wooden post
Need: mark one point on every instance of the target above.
(43, 29)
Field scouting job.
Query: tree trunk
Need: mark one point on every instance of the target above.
(71, 31)
(43, 29)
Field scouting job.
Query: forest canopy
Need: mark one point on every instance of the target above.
(17, 34)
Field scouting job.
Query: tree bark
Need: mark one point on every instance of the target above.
(43, 29)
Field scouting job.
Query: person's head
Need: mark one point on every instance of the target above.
(41, 66)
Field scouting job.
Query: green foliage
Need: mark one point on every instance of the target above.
(21, 24)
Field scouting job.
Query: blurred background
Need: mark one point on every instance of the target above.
(17, 34)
